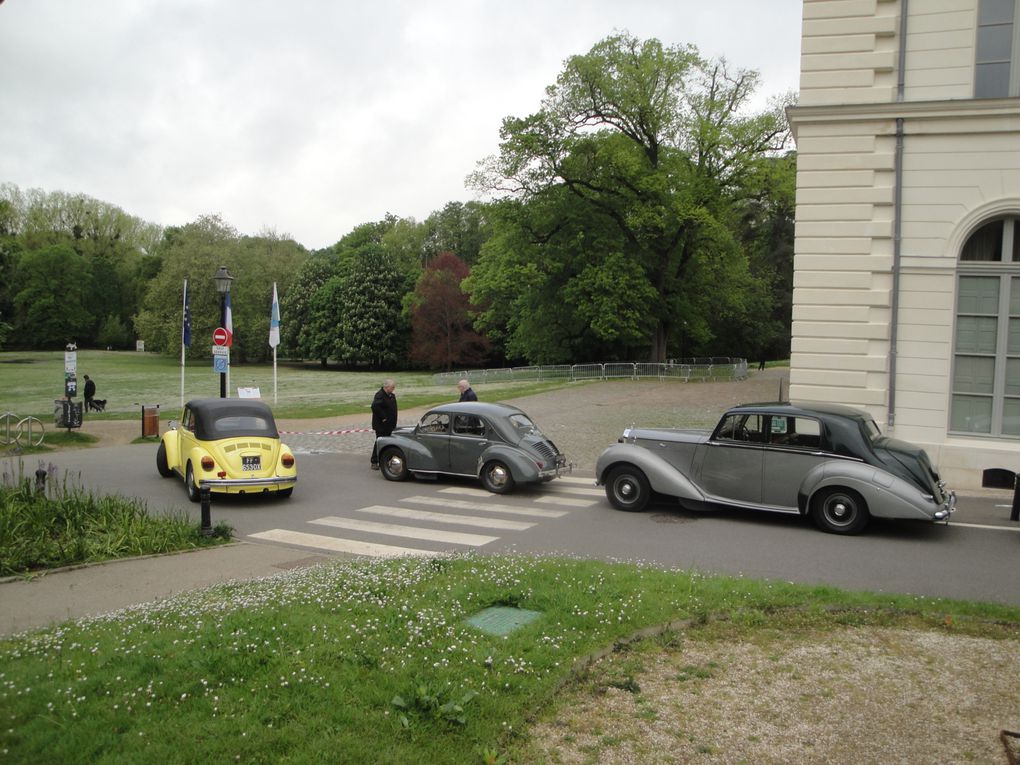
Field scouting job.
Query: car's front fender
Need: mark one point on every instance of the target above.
(886, 495)
(172, 446)
(662, 476)
(418, 456)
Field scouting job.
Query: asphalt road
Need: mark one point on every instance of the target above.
(342, 507)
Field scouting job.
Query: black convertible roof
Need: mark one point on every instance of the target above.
(228, 417)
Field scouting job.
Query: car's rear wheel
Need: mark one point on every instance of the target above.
(839, 511)
(189, 481)
(496, 477)
(161, 464)
(285, 493)
(393, 464)
(627, 488)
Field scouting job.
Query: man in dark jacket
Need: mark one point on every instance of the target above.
(90, 392)
(384, 416)
(466, 394)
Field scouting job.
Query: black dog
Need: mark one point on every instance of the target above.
(97, 405)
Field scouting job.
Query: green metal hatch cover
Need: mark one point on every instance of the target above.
(502, 620)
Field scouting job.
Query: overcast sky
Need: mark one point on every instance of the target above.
(309, 117)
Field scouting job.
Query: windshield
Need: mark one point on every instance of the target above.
(523, 425)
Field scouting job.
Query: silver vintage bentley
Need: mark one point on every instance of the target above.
(827, 461)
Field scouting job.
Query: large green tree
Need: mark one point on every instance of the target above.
(115, 246)
(355, 317)
(653, 144)
(50, 297)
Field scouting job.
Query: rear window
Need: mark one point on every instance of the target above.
(871, 429)
(522, 424)
(244, 425)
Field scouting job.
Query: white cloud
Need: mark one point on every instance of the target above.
(311, 117)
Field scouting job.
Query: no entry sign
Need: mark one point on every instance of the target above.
(220, 336)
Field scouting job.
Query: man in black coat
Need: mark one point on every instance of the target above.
(90, 392)
(384, 416)
(466, 394)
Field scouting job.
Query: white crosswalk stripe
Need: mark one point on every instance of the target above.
(567, 493)
(578, 490)
(460, 520)
(486, 507)
(467, 491)
(334, 544)
(567, 501)
(412, 532)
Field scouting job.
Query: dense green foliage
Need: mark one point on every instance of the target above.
(66, 526)
(373, 661)
(645, 211)
(623, 192)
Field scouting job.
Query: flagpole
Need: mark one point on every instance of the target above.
(274, 334)
(184, 330)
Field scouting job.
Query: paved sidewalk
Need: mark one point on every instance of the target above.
(72, 593)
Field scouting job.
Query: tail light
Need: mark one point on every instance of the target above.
(208, 464)
(287, 460)
(541, 465)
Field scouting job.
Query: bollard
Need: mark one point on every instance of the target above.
(206, 496)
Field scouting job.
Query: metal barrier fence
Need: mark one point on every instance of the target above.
(20, 431)
(685, 370)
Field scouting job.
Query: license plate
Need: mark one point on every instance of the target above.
(251, 463)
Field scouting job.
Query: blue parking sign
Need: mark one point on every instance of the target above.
(219, 364)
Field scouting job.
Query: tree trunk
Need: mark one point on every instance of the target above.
(659, 341)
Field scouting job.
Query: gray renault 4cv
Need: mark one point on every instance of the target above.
(824, 460)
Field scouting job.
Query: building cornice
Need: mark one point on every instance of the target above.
(914, 110)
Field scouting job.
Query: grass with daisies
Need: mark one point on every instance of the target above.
(374, 661)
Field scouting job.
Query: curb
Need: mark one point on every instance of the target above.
(39, 573)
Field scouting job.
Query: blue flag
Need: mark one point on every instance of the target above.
(186, 337)
(274, 321)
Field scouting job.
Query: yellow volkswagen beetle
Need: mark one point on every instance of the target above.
(229, 445)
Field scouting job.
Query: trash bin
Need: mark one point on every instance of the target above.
(67, 413)
(150, 420)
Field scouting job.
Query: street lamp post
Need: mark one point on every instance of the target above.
(223, 280)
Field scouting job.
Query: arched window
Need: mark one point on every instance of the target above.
(986, 354)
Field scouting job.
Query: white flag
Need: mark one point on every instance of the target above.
(274, 321)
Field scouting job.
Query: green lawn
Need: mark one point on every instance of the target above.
(30, 381)
(374, 661)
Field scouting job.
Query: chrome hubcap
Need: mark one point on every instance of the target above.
(498, 475)
(625, 489)
(394, 464)
(840, 510)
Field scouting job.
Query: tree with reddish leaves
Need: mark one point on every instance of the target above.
(442, 335)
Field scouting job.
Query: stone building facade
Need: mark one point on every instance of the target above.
(907, 266)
